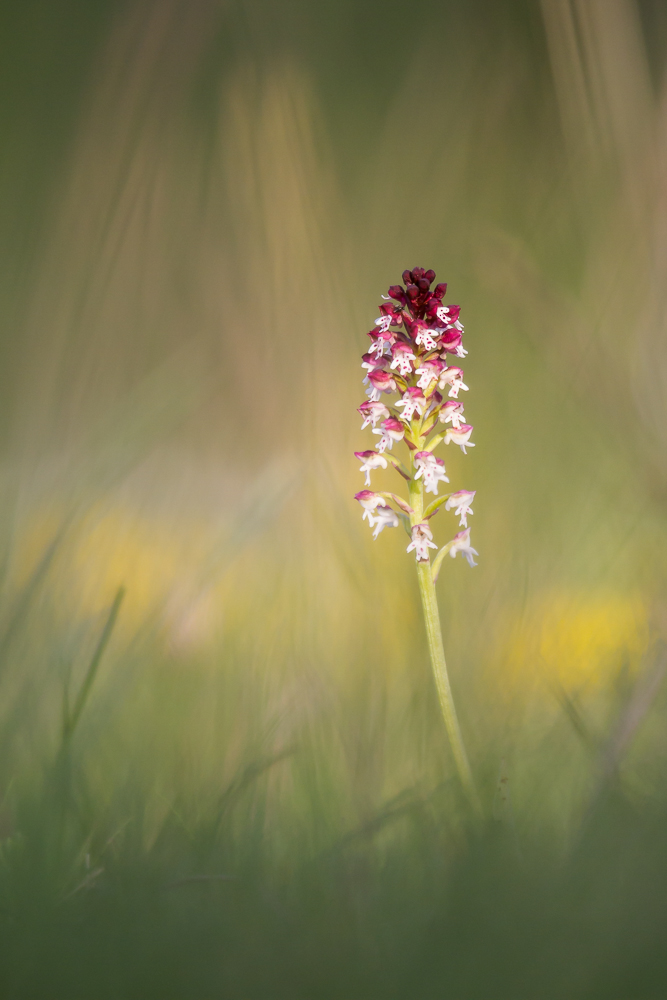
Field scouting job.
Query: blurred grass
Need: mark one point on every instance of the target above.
(257, 799)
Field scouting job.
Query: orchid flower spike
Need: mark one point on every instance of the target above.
(406, 376)
(411, 341)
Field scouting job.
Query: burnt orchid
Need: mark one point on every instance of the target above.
(412, 342)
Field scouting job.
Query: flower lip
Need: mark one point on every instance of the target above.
(422, 541)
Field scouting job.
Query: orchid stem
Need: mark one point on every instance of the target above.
(438, 662)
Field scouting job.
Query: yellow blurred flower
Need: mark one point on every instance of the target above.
(580, 640)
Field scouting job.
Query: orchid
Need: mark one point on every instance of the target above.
(460, 435)
(402, 355)
(461, 543)
(372, 412)
(454, 378)
(413, 401)
(412, 338)
(385, 517)
(431, 469)
(392, 430)
(460, 503)
(450, 412)
(369, 501)
(422, 541)
(370, 460)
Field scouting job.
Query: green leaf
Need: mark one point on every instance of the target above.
(434, 507)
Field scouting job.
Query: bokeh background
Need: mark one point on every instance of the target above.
(239, 785)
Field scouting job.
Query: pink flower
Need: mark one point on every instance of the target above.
(422, 541)
(451, 341)
(431, 469)
(402, 355)
(372, 412)
(413, 402)
(454, 378)
(429, 372)
(461, 543)
(373, 363)
(461, 503)
(385, 517)
(452, 412)
(461, 436)
(370, 460)
(380, 382)
(392, 430)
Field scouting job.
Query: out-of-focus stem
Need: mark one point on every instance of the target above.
(437, 654)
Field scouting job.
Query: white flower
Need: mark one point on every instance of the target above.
(429, 372)
(454, 378)
(424, 338)
(370, 460)
(461, 543)
(392, 430)
(422, 541)
(414, 401)
(402, 356)
(431, 469)
(372, 412)
(385, 517)
(461, 436)
(461, 502)
(378, 346)
(384, 322)
(369, 501)
(452, 412)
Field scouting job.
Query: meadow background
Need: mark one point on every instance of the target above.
(223, 772)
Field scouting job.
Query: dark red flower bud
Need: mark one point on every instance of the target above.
(407, 277)
(417, 273)
(432, 307)
(396, 292)
(423, 284)
(440, 290)
(413, 292)
(430, 276)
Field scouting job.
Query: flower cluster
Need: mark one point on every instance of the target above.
(412, 343)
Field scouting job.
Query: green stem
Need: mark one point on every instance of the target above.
(437, 654)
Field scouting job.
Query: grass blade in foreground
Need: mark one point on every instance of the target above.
(408, 355)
